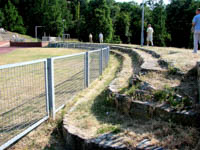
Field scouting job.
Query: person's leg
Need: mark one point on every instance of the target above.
(199, 40)
(147, 41)
(151, 41)
(196, 39)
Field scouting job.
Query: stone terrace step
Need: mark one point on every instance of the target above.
(150, 62)
(122, 78)
(146, 145)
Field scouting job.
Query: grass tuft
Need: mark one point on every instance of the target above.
(111, 129)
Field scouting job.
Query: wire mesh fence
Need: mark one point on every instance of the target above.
(87, 46)
(68, 78)
(94, 63)
(105, 55)
(28, 91)
(23, 98)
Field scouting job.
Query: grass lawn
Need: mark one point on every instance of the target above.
(181, 58)
(28, 54)
(22, 89)
(95, 115)
(48, 136)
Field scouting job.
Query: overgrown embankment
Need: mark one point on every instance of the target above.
(97, 121)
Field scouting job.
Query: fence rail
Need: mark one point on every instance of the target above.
(31, 92)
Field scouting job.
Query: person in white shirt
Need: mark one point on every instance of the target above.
(90, 38)
(101, 38)
(150, 35)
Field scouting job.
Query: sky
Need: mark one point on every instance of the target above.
(138, 1)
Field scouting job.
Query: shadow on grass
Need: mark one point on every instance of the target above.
(136, 129)
(188, 86)
(56, 141)
(104, 110)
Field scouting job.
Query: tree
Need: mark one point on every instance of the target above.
(135, 25)
(13, 21)
(99, 20)
(65, 14)
(1, 18)
(159, 24)
(122, 27)
(179, 18)
(52, 17)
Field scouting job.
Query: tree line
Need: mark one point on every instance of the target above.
(119, 22)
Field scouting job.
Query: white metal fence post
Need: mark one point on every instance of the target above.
(51, 91)
(107, 55)
(101, 62)
(87, 78)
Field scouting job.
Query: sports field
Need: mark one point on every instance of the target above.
(22, 88)
(28, 54)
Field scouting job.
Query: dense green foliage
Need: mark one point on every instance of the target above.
(12, 20)
(1, 18)
(122, 26)
(119, 22)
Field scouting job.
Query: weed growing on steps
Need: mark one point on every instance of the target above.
(131, 91)
(169, 95)
(172, 70)
(106, 129)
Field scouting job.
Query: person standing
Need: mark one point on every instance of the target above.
(90, 38)
(196, 29)
(150, 35)
(101, 38)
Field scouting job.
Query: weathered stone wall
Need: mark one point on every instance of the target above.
(134, 108)
(76, 140)
(147, 110)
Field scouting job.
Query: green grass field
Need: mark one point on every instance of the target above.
(28, 54)
(22, 94)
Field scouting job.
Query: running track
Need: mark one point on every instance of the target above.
(5, 47)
